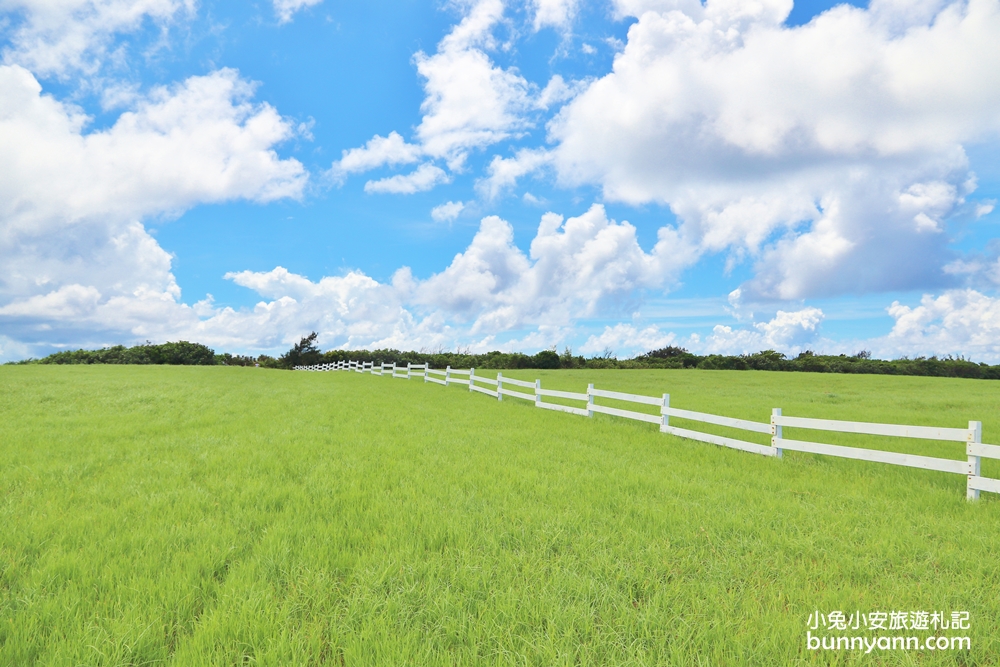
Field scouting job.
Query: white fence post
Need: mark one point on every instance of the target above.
(427, 367)
(447, 375)
(975, 436)
(775, 432)
(590, 399)
(538, 393)
(499, 386)
(472, 378)
(664, 418)
(408, 364)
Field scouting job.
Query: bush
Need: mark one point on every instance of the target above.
(181, 353)
(546, 359)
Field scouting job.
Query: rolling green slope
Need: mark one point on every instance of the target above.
(190, 516)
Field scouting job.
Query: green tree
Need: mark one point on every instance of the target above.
(304, 353)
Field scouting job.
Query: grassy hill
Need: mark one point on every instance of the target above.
(221, 516)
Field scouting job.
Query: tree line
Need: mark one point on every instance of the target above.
(307, 353)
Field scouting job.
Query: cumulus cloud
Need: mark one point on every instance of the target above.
(74, 254)
(348, 311)
(342, 309)
(628, 339)
(503, 173)
(379, 151)
(557, 91)
(425, 177)
(831, 153)
(63, 36)
(448, 211)
(787, 332)
(202, 140)
(69, 301)
(958, 322)
(285, 9)
(558, 14)
(576, 267)
(470, 103)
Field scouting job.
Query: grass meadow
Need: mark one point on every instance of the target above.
(238, 516)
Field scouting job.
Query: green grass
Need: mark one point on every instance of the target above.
(229, 516)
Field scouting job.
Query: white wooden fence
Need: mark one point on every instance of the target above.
(502, 386)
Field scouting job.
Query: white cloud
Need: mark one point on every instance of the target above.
(469, 103)
(69, 301)
(285, 9)
(425, 177)
(379, 151)
(201, 141)
(348, 311)
(351, 309)
(504, 172)
(557, 91)
(59, 37)
(832, 153)
(626, 339)
(787, 332)
(575, 268)
(448, 211)
(558, 14)
(74, 256)
(958, 322)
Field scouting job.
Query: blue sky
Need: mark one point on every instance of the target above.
(487, 174)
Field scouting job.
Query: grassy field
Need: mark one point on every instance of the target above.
(231, 516)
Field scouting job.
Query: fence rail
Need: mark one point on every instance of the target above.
(975, 449)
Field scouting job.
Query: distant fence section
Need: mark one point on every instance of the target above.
(500, 386)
